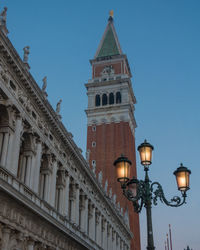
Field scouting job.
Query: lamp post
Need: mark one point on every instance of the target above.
(145, 193)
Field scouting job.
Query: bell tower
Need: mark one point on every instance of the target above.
(110, 119)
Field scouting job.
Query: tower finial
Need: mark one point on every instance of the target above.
(111, 13)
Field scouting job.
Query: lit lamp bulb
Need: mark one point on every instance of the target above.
(182, 178)
(145, 150)
(122, 165)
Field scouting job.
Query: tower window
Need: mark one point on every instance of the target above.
(97, 100)
(93, 128)
(118, 97)
(104, 99)
(111, 98)
(93, 163)
(93, 144)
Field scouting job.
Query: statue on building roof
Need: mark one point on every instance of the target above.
(3, 16)
(110, 193)
(188, 248)
(118, 206)
(100, 177)
(44, 86)
(114, 198)
(93, 166)
(88, 155)
(58, 106)
(26, 53)
(106, 186)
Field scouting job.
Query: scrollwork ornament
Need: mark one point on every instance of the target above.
(159, 194)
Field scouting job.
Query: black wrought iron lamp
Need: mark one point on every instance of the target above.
(144, 193)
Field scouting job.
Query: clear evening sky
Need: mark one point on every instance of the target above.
(162, 41)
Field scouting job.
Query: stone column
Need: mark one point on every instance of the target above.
(98, 227)
(60, 188)
(60, 201)
(114, 246)
(92, 221)
(35, 175)
(117, 242)
(66, 194)
(41, 185)
(109, 233)
(4, 150)
(6, 231)
(53, 183)
(9, 157)
(72, 198)
(1, 141)
(86, 215)
(30, 244)
(23, 168)
(47, 186)
(104, 229)
(28, 169)
(77, 200)
(14, 150)
(82, 210)
(122, 245)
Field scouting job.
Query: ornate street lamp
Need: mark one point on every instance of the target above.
(144, 193)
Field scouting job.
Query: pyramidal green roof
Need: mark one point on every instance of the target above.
(109, 45)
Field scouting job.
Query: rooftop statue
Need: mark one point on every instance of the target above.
(106, 186)
(100, 177)
(26, 53)
(58, 106)
(44, 86)
(3, 16)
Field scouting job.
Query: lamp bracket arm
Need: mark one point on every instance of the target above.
(139, 191)
(137, 200)
(138, 205)
(129, 195)
(158, 193)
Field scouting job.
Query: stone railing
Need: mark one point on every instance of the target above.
(28, 195)
(107, 78)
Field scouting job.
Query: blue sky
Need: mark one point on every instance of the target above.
(161, 39)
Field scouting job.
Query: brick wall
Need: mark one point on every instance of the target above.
(112, 140)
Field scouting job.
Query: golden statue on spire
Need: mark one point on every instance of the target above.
(111, 13)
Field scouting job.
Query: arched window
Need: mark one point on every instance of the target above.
(111, 98)
(118, 97)
(104, 99)
(97, 100)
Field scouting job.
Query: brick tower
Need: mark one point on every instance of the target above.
(110, 117)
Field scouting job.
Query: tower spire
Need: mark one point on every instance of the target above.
(109, 45)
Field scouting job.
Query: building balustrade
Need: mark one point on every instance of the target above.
(95, 225)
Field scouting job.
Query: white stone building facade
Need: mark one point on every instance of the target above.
(49, 197)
